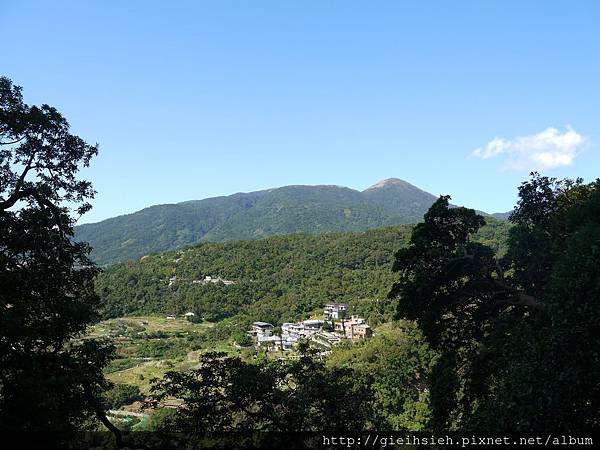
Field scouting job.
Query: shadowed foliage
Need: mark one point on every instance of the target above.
(518, 336)
(48, 380)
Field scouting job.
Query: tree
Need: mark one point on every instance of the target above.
(397, 363)
(226, 394)
(455, 289)
(49, 379)
(517, 337)
(328, 325)
(552, 382)
(342, 316)
(121, 394)
(242, 339)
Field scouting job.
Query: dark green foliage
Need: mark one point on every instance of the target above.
(446, 278)
(286, 210)
(518, 338)
(162, 348)
(194, 319)
(277, 280)
(397, 362)
(121, 395)
(494, 235)
(163, 420)
(280, 276)
(227, 394)
(242, 339)
(48, 380)
(552, 382)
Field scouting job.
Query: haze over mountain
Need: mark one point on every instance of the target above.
(254, 215)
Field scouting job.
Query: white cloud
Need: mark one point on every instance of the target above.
(548, 149)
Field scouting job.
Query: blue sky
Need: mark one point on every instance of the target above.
(197, 99)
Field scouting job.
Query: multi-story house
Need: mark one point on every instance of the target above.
(335, 311)
(261, 329)
(354, 328)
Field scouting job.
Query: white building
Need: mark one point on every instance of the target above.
(214, 280)
(335, 311)
(271, 341)
(261, 329)
(353, 328)
(293, 332)
(326, 338)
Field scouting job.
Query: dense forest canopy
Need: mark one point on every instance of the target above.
(518, 336)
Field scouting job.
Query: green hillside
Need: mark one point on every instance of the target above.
(276, 279)
(285, 210)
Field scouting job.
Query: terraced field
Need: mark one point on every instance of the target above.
(147, 347)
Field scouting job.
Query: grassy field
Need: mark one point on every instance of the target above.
(149, 346)
(147, 324)
(142, 374)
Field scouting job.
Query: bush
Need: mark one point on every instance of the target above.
(194, 319)
(117, 365)
(164, 349)
(121, 394)
(163, 420)
(242, 339)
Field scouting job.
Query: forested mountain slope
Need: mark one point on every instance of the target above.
(255, 215)
(275, 279)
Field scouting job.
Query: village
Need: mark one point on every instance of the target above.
(322, 333)
(336, 325)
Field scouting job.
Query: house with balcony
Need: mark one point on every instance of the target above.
(293, 332)
(335, 311)
(261, 329)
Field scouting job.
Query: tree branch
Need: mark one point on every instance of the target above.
(14, 198)
(41, 201)
(99, 412)
(14, 142)
(520, 298)
(16, 195)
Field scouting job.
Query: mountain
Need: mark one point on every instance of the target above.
(254, 215)
(502, 215)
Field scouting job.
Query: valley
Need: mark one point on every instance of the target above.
(164, 311)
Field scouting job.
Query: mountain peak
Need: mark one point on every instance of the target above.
(388, 182)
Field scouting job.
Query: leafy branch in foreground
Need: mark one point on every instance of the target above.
(228, 394)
